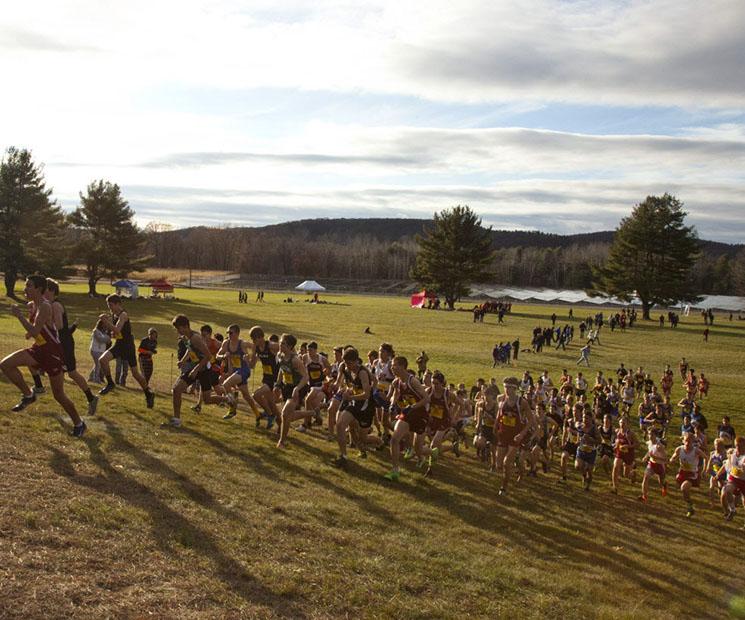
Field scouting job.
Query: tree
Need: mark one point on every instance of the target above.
(651, 256)
(32, 226)
(454, 253)
(108, 241)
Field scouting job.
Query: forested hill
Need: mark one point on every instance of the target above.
(388, 230)
(385, 249)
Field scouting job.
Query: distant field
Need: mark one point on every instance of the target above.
(212, 521)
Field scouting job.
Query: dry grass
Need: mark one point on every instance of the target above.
(213, 522)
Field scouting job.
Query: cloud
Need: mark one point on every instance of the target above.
(15, 39)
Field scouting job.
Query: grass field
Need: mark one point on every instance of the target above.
(213, 522)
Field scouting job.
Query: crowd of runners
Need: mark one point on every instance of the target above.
(626, 425)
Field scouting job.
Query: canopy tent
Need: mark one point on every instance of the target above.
(419, 299)
(161, 286)
(126, 288)
(310, 286)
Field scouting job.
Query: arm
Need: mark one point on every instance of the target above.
(42, 317)
(198, 344)
(303, 371)
(420, 392)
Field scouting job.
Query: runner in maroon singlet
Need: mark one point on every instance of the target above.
(45, 354)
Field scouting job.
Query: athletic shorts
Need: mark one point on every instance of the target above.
(656, 468)
(439, 424)
(506, 437)
(48, 358)
(207, 379)
(268, 380)
(605, 450)
(416, 419)
(738, 483)
(691, 476)
(68, 356)
(244, 374)
(627, 457)
(587, 456)
(570, 448)
(380, 399)
(287, 391)
(125, 350)
(362, 410)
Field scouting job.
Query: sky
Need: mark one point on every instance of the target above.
(557, 116)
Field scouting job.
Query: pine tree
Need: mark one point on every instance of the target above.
(651, 256)
(454, 253)
(32, 226)
(108, 240)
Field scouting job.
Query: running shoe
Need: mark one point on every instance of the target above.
(175, 422)
(93, 405)
(258, 421)
(363, 454)
(544, 466)
(270, 421)
(456, 448)
(24, 402)
(502, 492)
(691, 511)
(428, 473)
(434, 454)
(197, 408)
(393, 476)
(562, 480)
(729, 515)
(664, 490)
(302, 428)
(149, 398)
(77, 431)
(340, 462)
(409, 454)
(230, 414)
(643, 498)
(318, 419)
(39, 390)
(109, 387)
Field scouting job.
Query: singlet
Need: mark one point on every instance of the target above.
(407, 397)
(48, 333)
(125, 334)
(65, 335)
(439, 407)
(356, 383)
(383, 374)
(287, 371)
(736, 466)
(194, 356)
(715, 463)
(236, 359)
(489, 416)
(268, 361)
(628, 394)
(510, 416)
(623, 443)
(588, 438)
(315, 372)
(571, 426)
(656, 452)
(689, 460)
(606, 436)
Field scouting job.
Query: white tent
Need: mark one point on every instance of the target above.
(310, 286)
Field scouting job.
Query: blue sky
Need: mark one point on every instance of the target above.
(556, 116)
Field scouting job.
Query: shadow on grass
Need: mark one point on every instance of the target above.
(167, 522)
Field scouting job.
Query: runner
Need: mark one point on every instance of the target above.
(655, 459)
(195, 367)
(382, 392)
(45, 354)
(358, 408)
(266, 352)
(67, 342)
(293, 379)
(123, 348)
(587, 448)
(442, 405)
(689, 456)
(411, 402)
(237, 357)
(735, 478)
(485, 440)
(624, 451)
(148, 347)
(607, 440)
(570, 438)
(318, 369)
(514, 423)
(716, 462)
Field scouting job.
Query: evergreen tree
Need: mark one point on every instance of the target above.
(454, 253)
(108, 240)
(651, 256)
(32, 226)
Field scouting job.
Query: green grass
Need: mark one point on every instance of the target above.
(212, 521)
